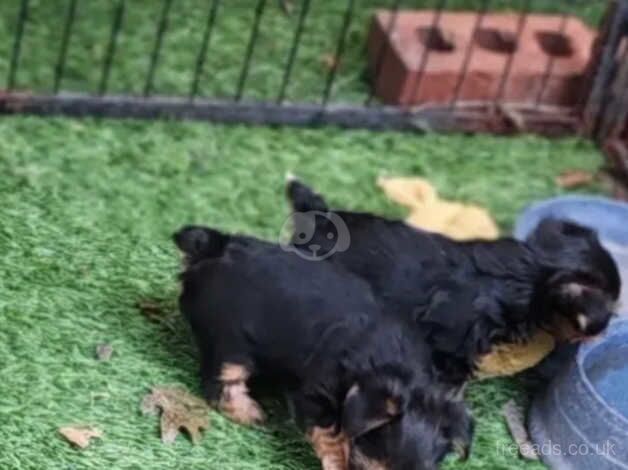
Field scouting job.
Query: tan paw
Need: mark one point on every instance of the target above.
(237, 405)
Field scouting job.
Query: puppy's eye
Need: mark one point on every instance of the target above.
(302, 236)
(330, 236)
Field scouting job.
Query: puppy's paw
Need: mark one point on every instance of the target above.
(331, 448)
(250, 414)
(237, 405)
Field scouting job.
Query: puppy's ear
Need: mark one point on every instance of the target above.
(459, 428)
(546, 232)
(551, 233)
(366, 408)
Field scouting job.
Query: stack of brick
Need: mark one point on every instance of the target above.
(431, 58)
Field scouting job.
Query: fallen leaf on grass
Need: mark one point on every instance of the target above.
(574, 178)
(152, 309)
(158, 311)
(80, 436)
(179, 410)
(515, 422)
(104, 352)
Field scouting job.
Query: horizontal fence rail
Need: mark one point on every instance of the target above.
(278, 62)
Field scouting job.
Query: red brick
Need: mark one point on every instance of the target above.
(538, 44)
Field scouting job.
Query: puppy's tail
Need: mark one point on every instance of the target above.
(302, 198)
(198, 243)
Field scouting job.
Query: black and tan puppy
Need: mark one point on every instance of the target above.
(355, 377)
(467, 296)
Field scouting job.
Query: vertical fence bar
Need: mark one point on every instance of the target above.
(296, 41)
(154, 57)
(468, 54)
(200, 59)
(116, 24)
(611, 34)
(17, 44)
(615, 112)
(384, 49)
(549, 68)
(65, 40)
(426, 51)
(340, 48)
(521, 23)
(244, 73)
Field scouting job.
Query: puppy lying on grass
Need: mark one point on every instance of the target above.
(361, 383)
(466, 297)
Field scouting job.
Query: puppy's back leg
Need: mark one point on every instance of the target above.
(318, 417)
(234, 400)
(330, 446)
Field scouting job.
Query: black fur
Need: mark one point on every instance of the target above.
(317, 332)
(468, 296)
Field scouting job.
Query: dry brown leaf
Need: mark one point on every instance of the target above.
(104, 352)
(179, 410)
(80, 436)
(152, 309)
(574, 178)
(515, 420)
(159, 311)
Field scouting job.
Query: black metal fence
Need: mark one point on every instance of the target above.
(283, 62)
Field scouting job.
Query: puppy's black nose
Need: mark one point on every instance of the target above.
(314, 247)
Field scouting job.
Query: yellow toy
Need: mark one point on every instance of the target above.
(463, 222)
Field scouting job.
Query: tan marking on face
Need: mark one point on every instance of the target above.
(355, 388)
(392, 407)
(360, 461)
(331, 447)
(573, 289)
(583, 321)
(234, 373)
(235, 402)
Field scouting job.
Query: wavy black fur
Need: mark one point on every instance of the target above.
(317, 332)
(467, 296)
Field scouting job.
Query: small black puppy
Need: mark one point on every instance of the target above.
(314, 330)
(467, 296)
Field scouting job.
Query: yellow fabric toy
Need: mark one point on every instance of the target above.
(454, 219)
(463, 222)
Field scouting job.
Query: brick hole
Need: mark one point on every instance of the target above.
(554, 44)
(433, 38)
(496, 40)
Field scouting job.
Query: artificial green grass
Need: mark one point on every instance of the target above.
(88, 44)
(87, 209)
(86, 213)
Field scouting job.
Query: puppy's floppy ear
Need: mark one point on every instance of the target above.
(366, 408)
(550, 233)
(459, 428)
(546, 232)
